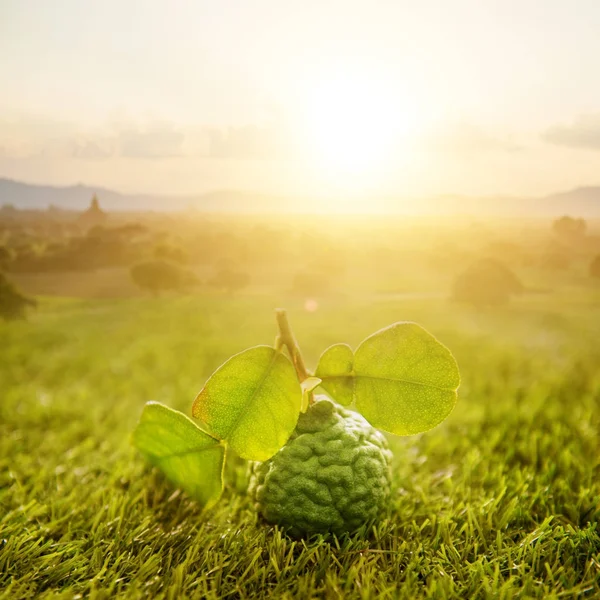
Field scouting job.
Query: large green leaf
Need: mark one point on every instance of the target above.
(335, 369)
(400, 378)
(405, 379)
(252, 402)
(189, 457)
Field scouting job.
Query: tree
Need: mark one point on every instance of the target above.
(310, 283)
(13, 304)
(160, 275)
(568, 227)
(170, 253)
(230, 280)
(556, 256)
(5, 257)
(487, 282)
(595, 267)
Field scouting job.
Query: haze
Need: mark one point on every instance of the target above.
(336, 99)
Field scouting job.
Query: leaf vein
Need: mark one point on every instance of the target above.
(186, 452)
(255, 391)
(392, 379)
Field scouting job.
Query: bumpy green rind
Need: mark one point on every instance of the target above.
(333, 475)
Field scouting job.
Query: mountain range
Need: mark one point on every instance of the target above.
(579, 202)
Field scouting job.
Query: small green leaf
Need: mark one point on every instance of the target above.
(335, 369)
(308, 385)
(405, 380)
(188, 456)
(252, 402)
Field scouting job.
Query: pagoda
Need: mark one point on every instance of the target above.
(93, 216)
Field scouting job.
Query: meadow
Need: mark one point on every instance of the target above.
(500, 501)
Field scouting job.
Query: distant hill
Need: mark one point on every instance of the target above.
(77, 197)
(581, 202)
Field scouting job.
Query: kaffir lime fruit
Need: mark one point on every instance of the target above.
(333, 475)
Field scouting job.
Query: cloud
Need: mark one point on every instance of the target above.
(157, 141)
(250, 142)
(584, 133)
(466, 138)
(165, 140)
(25, 135)
(91, 150)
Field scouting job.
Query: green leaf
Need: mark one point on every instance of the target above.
(405, 380)
(189, 457)
(308, 385)
(252, 402)
(335, 369)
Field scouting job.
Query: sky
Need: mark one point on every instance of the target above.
(342, 99)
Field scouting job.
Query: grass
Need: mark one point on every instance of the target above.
(500, 501)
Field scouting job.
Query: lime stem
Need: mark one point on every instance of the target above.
(286, 338)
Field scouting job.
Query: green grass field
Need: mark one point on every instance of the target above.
(500, 501)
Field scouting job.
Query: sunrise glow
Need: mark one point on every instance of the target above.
(354, 124)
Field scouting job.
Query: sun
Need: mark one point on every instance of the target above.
(354, 125)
